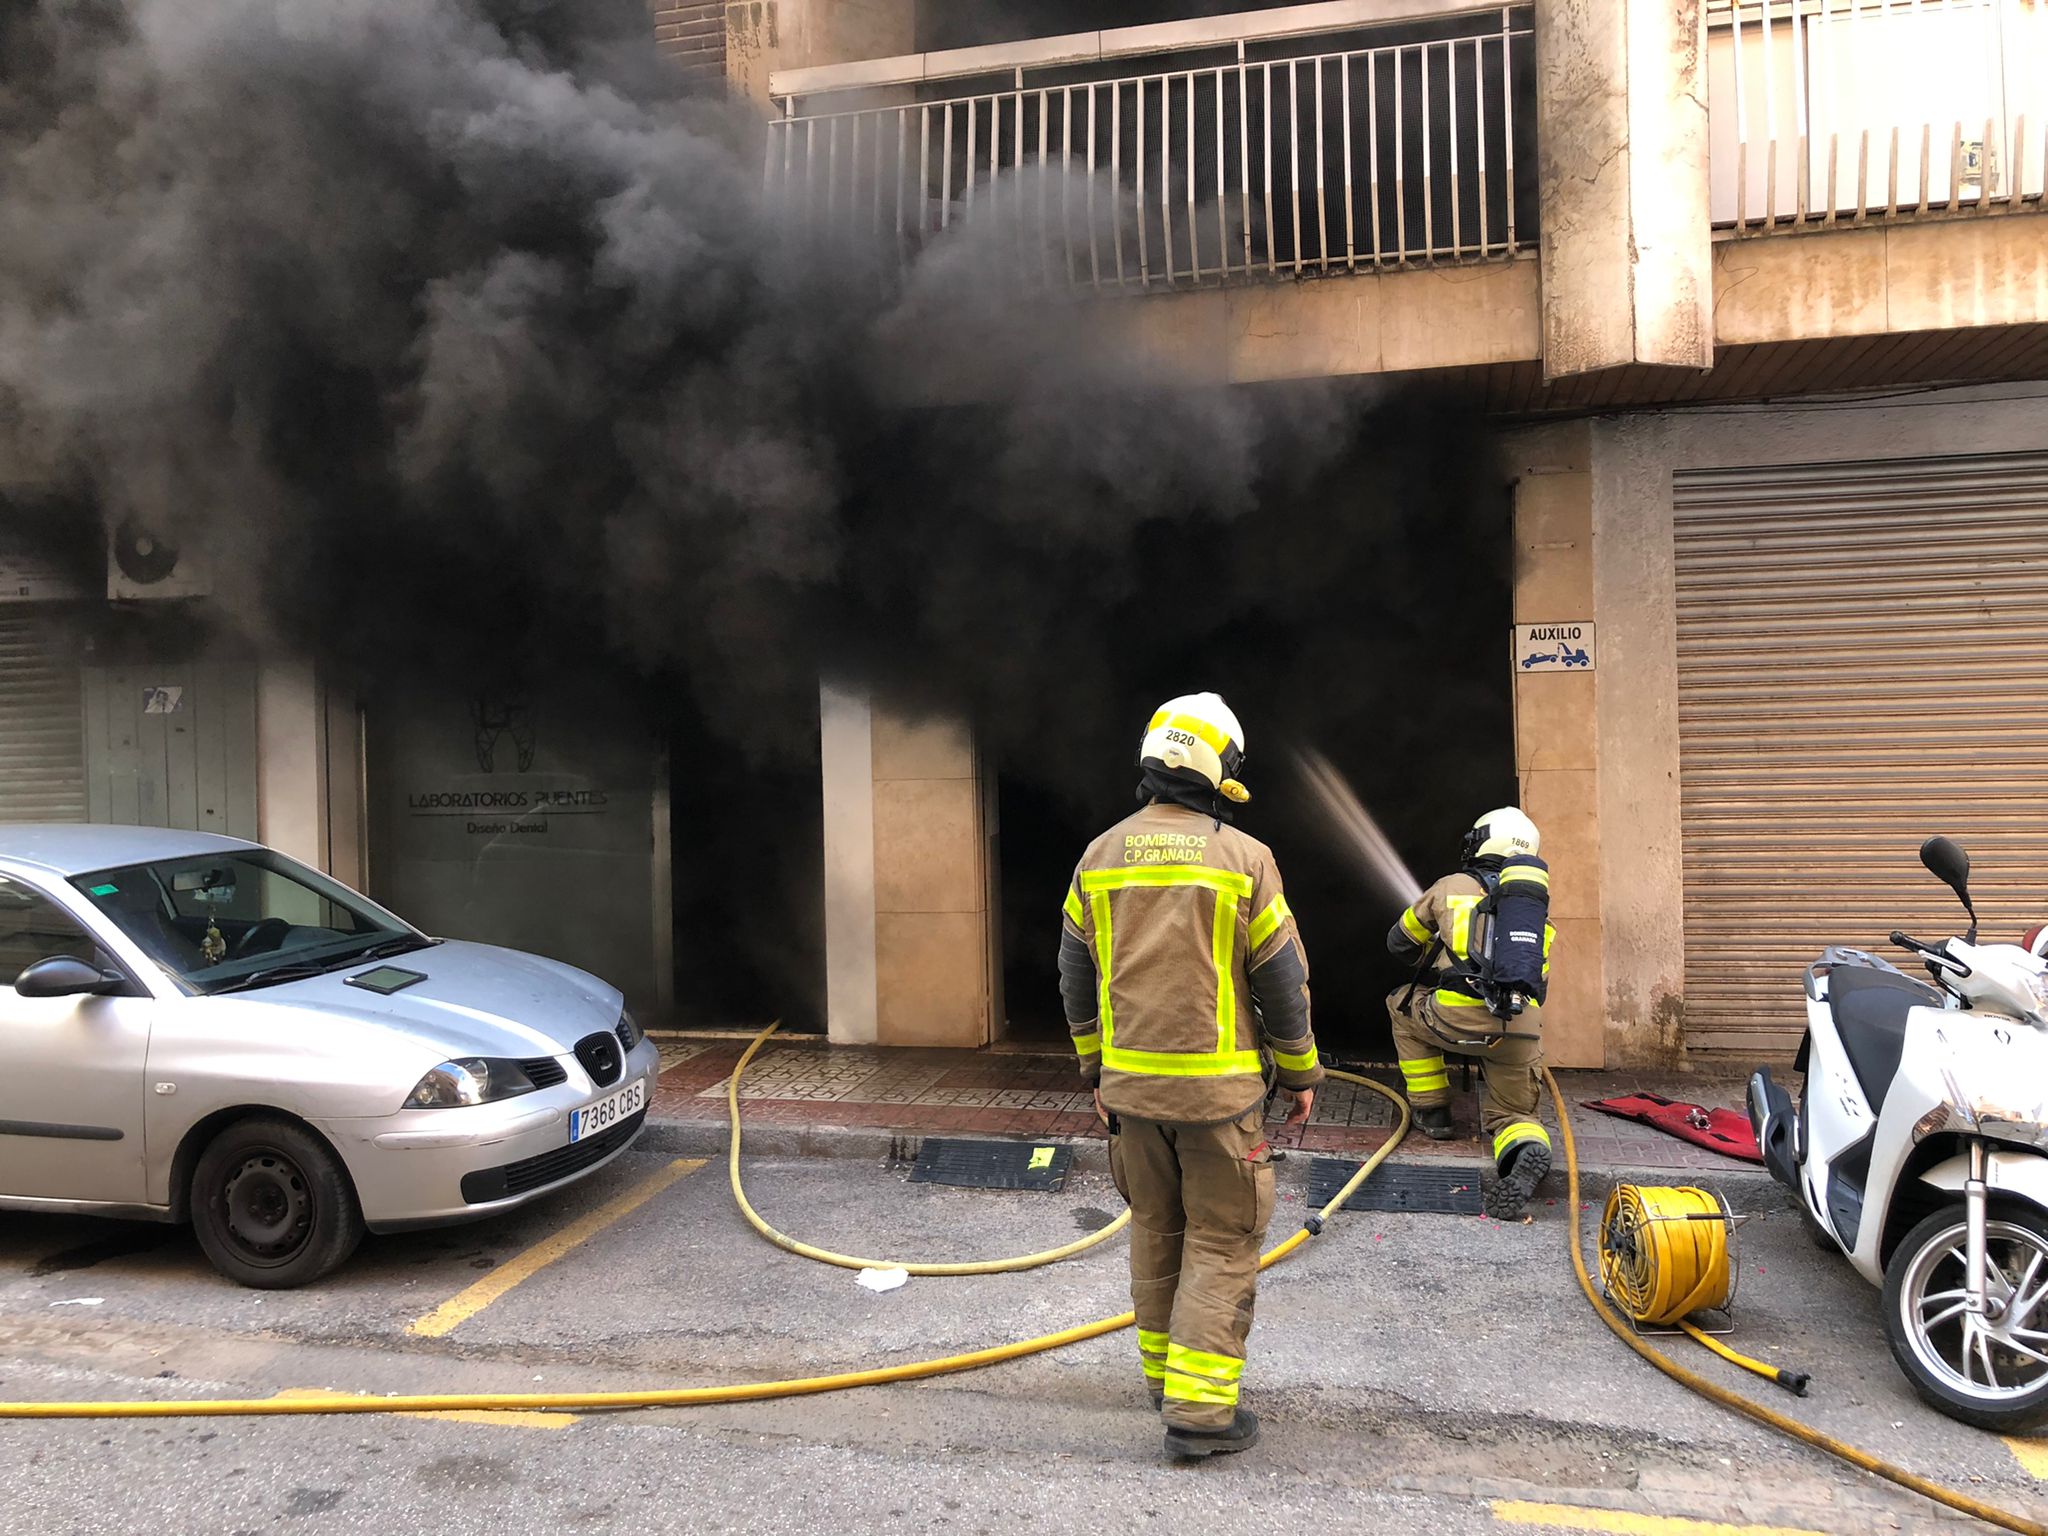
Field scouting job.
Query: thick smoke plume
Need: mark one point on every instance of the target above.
(459, 340)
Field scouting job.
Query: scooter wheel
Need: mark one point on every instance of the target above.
(1989, 1372)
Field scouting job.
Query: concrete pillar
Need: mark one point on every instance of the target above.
(766, 35)
(291, 760)
(1621, 124)
(1635, 590)
(309, 771)
(909, 910)
(1557, 719)
(846, 740)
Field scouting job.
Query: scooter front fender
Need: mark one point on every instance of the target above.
(2016, 1175)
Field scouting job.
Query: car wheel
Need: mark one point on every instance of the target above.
(1992, 1371)
(272, 1206)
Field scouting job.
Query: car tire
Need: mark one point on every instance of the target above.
(272, 1205)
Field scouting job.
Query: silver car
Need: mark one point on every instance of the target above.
(198, 1028)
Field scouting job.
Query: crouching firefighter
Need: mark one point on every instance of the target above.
(1480, 940)
(1180, 965)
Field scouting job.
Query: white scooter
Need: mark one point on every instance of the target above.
(1919, 1148)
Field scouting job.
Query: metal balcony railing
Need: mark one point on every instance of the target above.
(1305, 140)
(1826, 111)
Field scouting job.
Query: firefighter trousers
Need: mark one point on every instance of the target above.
(1200, 1198)
(1510, 1067)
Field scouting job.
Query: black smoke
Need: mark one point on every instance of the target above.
(460, 340)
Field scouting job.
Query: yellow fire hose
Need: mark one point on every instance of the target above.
(682, 1397)
(1667, 1253)
(789, 1244)
(1991, 1514)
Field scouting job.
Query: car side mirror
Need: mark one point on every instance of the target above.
(1947, 862)
(65, 976)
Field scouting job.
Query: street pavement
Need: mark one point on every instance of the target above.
(1428, 1373)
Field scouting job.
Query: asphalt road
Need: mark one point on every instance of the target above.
(1414, 1372)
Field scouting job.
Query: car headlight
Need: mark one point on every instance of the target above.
(472, 1080)
(629, 1031)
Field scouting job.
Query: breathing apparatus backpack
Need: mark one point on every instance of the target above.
(1511, 936)
(1507, 942)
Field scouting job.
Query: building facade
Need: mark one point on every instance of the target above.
(1755, 295)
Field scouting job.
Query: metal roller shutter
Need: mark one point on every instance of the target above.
(42, 745)
(1862, 663)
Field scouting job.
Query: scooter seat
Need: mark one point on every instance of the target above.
(1870, 1008)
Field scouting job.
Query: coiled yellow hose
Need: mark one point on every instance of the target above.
(1664, 1252)
(685, 1397)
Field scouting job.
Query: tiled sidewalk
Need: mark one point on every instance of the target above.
(801, 1081)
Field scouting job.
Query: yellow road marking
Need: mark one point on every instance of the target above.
(1573, 1517)
(509, 1419)
(2032, 1455)
(458, 1309)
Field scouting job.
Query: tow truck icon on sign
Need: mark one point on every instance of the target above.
(1565, 656)
(1561, 647)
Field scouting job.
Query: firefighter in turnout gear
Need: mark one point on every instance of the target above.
(1185, 984)
(1459, 933)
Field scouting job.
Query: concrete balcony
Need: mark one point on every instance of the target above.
(1557, 207)
(1303, 141)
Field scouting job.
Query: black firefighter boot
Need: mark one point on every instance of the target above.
(1434, 1121)
(1524, 1167)
(1240, 1434)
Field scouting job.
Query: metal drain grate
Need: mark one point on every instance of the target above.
(1416, 1188)
(992, 1164)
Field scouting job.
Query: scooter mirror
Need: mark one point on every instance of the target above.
(1951, 866)
(1948, 863)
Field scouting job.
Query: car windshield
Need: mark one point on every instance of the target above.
(223, 920)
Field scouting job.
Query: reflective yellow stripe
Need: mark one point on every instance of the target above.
(1100, 902)
(1073, 907)
(1459, 939)
(1192, 1389)
(1264, 925)
(1094, 880)
(1195, 1376)
(1520, 1130)
(1414, 927)
(1525, 874)
(1425, 1074)
(1301, 1063)
(1152, 1349)
(1219, 743)
(1223, 950)
(1446, 998)
(1089, 1045)
(1180, 1063)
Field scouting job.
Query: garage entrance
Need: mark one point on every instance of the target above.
(1382, 646)
(1860, 646)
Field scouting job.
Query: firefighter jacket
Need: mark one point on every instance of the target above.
(1179, 960)
(1445, 912)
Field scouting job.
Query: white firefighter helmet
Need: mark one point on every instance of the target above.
(1198, 734)
(1499, 834)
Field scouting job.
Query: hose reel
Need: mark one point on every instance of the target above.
(1667, 1256)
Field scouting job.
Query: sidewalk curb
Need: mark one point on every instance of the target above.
(709, 1139)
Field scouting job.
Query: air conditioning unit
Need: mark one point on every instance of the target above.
(142, 563)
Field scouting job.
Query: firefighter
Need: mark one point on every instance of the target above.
(1445, 1009)
(1184, 983)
